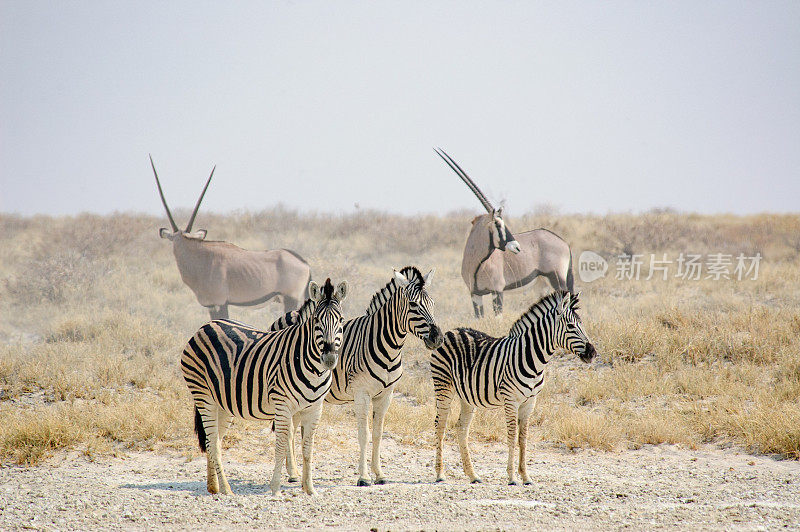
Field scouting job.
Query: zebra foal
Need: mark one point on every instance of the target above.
(484, 371)
(234, 370)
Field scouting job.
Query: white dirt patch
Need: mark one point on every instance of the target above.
(662, 487)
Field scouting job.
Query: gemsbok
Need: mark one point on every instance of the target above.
(236, 371)
(495, 261)
(222, 274)
(483, 371)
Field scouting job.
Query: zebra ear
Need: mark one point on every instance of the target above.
(429, 277)
(402, 280)
(341, 291)
(313, 291)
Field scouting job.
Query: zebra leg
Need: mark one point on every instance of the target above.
(464, 421)
(283, 421)
(224, 421)
(497, 303)
(379, 408)
(444, 396)
(291, 463)
(215, 481)
(511, 410)
(309, 424)
(525, 410)
(361, 403)
(477, 305)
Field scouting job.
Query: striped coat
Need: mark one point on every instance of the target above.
(236, 371)
(484, 371)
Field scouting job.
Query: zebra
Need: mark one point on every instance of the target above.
(490, 372)
(234, 370)
(370, 363)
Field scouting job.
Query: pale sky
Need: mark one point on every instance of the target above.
(588, 106)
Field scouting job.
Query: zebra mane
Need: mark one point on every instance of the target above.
(294, 317)
(384, 294)
(541, 308)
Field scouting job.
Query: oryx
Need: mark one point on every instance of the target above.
(221, 274)
(486, 267)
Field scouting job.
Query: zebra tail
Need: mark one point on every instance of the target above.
(200, 430)
(570, 277)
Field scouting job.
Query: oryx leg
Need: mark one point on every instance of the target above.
(291, 463)
(556, 280)
(283, 422)
(361, 404)
(444, 397)
(218, 312)
(511, 409)
(308, 423)
(497, 303)
(525, 410)
(379, 407)
(289, 303)
(464, 421)
(477, 305)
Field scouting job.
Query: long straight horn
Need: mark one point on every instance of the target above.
(163, 200)
(466, 179)
(200, 199)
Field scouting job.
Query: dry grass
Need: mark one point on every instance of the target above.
(93, 316)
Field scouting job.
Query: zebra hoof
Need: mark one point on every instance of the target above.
(476, 481)
(293, 479)
(440, 479)
(513, 483)
(362, 482)
(381, 481)
(528, 483)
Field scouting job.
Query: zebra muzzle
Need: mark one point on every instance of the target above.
(435, 338)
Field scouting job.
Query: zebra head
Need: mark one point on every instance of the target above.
(500, 236)
(420, 305)
(569, 333)
(327, 318)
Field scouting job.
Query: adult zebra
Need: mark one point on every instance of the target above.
(233, 370)
(370, 363)
(491, 372)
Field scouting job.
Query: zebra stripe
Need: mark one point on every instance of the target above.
(236, 371)
(370, 363)
(487, 372)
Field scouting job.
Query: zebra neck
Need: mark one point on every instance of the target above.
(392, 319)
(537, 346)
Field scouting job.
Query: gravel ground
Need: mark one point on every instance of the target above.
(661, 487)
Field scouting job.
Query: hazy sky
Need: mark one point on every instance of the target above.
(589, 106)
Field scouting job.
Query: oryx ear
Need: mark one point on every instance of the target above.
(402, 280)
(341, 291)
(499, 212)
(313, 291)
(201, 234)
(429, 277)
(164, 233)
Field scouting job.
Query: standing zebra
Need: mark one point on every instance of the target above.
(370, 363)
(491, 372)
(233, 370)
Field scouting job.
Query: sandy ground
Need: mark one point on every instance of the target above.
(661, 487)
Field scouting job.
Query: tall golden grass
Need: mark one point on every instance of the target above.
(93, 316)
